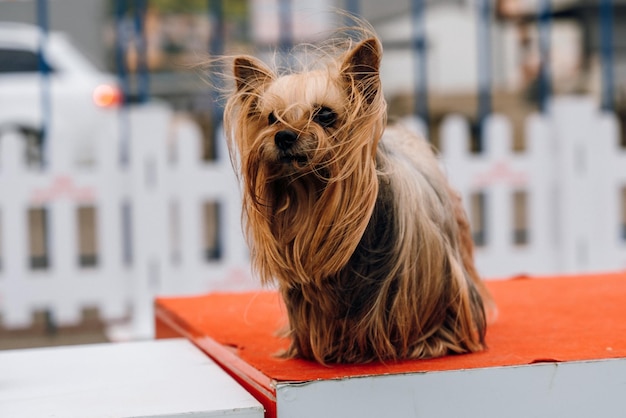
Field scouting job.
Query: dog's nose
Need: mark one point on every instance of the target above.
(285, 139)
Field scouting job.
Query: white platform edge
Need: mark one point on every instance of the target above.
(165, 378)
(571, 389)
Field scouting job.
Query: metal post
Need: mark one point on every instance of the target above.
(484, 66)
(420, 61)
(545, 84)
(606, 50)
(353, 7)
(285, 27)
(44, 71)
(121, 40)
(143, 75)
(216, 43)
(216, 49)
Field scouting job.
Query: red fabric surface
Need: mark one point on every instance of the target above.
(539, 320)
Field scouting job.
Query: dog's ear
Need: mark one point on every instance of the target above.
(360, 68)
(250, 73)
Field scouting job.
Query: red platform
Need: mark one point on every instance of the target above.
(559, 319)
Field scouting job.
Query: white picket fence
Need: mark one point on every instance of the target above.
(164, 189)
(573, 174)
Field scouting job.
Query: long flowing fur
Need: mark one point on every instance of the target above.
(369, 244)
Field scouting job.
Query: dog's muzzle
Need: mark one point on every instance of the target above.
(285, 139)
(288, 154)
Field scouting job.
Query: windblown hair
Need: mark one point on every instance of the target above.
(369, 245)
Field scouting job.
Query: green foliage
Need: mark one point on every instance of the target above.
(179, 6)
(231, 8)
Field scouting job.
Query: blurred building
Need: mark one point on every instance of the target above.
(180, 34)
(588, 54)
(82, 20)
(582, 21)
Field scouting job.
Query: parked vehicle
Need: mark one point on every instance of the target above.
(56, 94)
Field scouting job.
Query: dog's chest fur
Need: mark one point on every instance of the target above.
(357, 285)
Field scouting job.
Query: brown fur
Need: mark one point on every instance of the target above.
(369, 244)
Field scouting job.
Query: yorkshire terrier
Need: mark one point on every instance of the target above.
(369, 244)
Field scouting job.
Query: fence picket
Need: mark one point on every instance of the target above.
(571, 177)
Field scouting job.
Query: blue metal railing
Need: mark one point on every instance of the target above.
(353, 7)
(216, 49)
(420, 55)
(129, 29)
(130, 19)
(545, 78)
(216, 16)
(143, 73)
(44, 71)
(285, 31)
(606, 54)
(483, 15)
(121, 42)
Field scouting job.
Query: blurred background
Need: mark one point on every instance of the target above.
(116, 187)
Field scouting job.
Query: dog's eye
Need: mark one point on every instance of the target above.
(325, 117)
(271, 118)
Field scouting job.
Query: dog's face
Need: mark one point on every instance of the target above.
(297, 119)
(304, 147)
(305, 122)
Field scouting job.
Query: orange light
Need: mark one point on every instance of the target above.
(106, 95)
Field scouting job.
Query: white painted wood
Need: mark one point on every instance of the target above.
(576, 389)
(150, 183)
(166, 378)
(573, 172)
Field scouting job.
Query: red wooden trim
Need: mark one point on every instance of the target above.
(256, 383)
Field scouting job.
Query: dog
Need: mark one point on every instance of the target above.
(353, 219)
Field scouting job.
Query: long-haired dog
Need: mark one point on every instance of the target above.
(369, 244)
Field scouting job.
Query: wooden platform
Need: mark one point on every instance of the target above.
(549, 335)
(139, 379)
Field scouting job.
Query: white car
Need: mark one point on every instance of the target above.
(79, 94)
